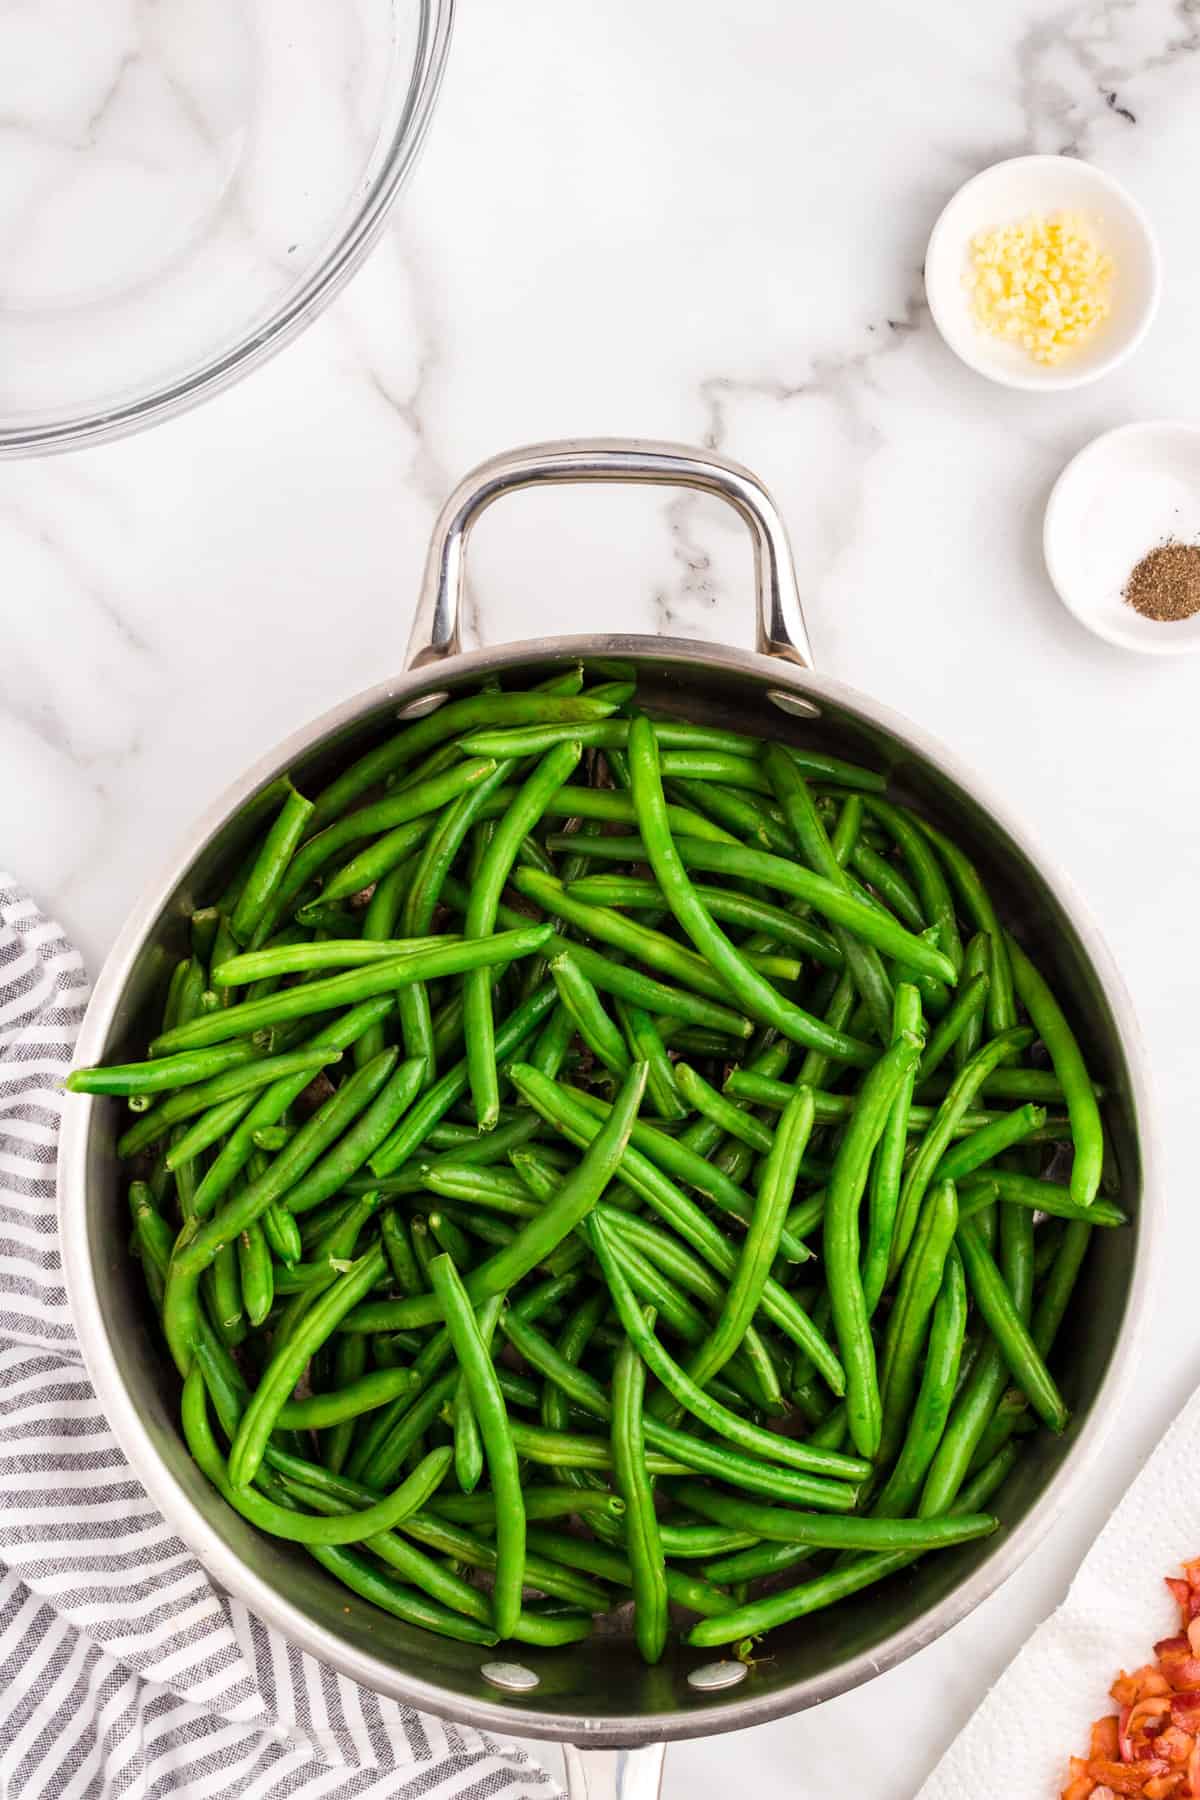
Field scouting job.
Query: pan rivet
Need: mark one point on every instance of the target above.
(513, 1676)
(424, 703)
(792, 703)
(717, 1675)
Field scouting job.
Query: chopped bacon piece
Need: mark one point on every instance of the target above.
(1177, 1663)
(1128, 1778)
(1127, 1690)
(1173, 1745)
(1151, 1749)
(1105, 1738)
(1185, 1710)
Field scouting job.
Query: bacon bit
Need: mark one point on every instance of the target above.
(1151, 1749)
(1185, 1710)
(1174, 1745)
(1105, 1738)
(1127, 1690)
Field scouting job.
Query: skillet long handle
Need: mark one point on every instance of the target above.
(614, 1774)
(780, 623)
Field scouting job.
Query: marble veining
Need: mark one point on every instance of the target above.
(699, 223)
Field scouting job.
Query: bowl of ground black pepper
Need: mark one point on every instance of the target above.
(1122, 537)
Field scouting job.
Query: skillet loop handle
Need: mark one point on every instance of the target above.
(614, 1774)
(780, 629)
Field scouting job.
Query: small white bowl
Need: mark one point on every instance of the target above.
(1010, 191)
(1123, 494)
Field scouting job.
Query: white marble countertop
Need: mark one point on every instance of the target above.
(701, 223)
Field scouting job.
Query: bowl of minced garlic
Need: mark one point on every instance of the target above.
(1042, 272)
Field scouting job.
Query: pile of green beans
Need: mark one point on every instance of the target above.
(590, 1160)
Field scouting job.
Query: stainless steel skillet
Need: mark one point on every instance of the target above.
(598, 1696)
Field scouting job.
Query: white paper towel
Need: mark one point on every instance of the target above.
(1040, 1712)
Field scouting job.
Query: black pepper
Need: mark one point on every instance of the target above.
(1165, 585)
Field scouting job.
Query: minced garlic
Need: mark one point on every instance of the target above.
(1042, 283)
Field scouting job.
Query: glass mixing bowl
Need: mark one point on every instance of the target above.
(184, 186)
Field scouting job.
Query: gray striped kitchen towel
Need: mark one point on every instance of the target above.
(124, 1672)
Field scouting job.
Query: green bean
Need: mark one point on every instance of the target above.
(761, 1243)
(353, 1150)
(522, 814)
(1001, 1006)
(218, 1089)
(744, 910)
(289, 1362)
(843, 1196)
(936, 902)
(540, 1503)
(981, 1146)
(822, 1531)
(357, 984)
(968, 1006)
(701, 1405)
(270, 1106)
(889, 883)
(825, 1487)
(750, 989)
(994, 1472)
(437, 1100)
(480, 1187)
(685, 1590)
(256, 1273)
(451, 721)
(383, 853)
(916, 1296)
(799, 810)
(212, 1125)
(593, 1024)
(557, 1219)
(331, 953)
(487, 1404)
(653, 948)
(344, 1528)
(936, 1140)
(1021, 1354)
(1051, 1025)
(440, 1583)
(464, 1546)
(372, 1389)
(735, 861)
(646, 1045)
(647, 1568)
(887, 1167)
(657, 997)
(677, 1158)
(734, 1119)
(200, 1243)
(564, 1109)
(1056, 1294)
(161, 1073)
(396, 1428)
(420, 905)
(223, 1291)
(549, 1053)
(612, 807)
(745, 817)
(976, 1402)
(265, 876)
